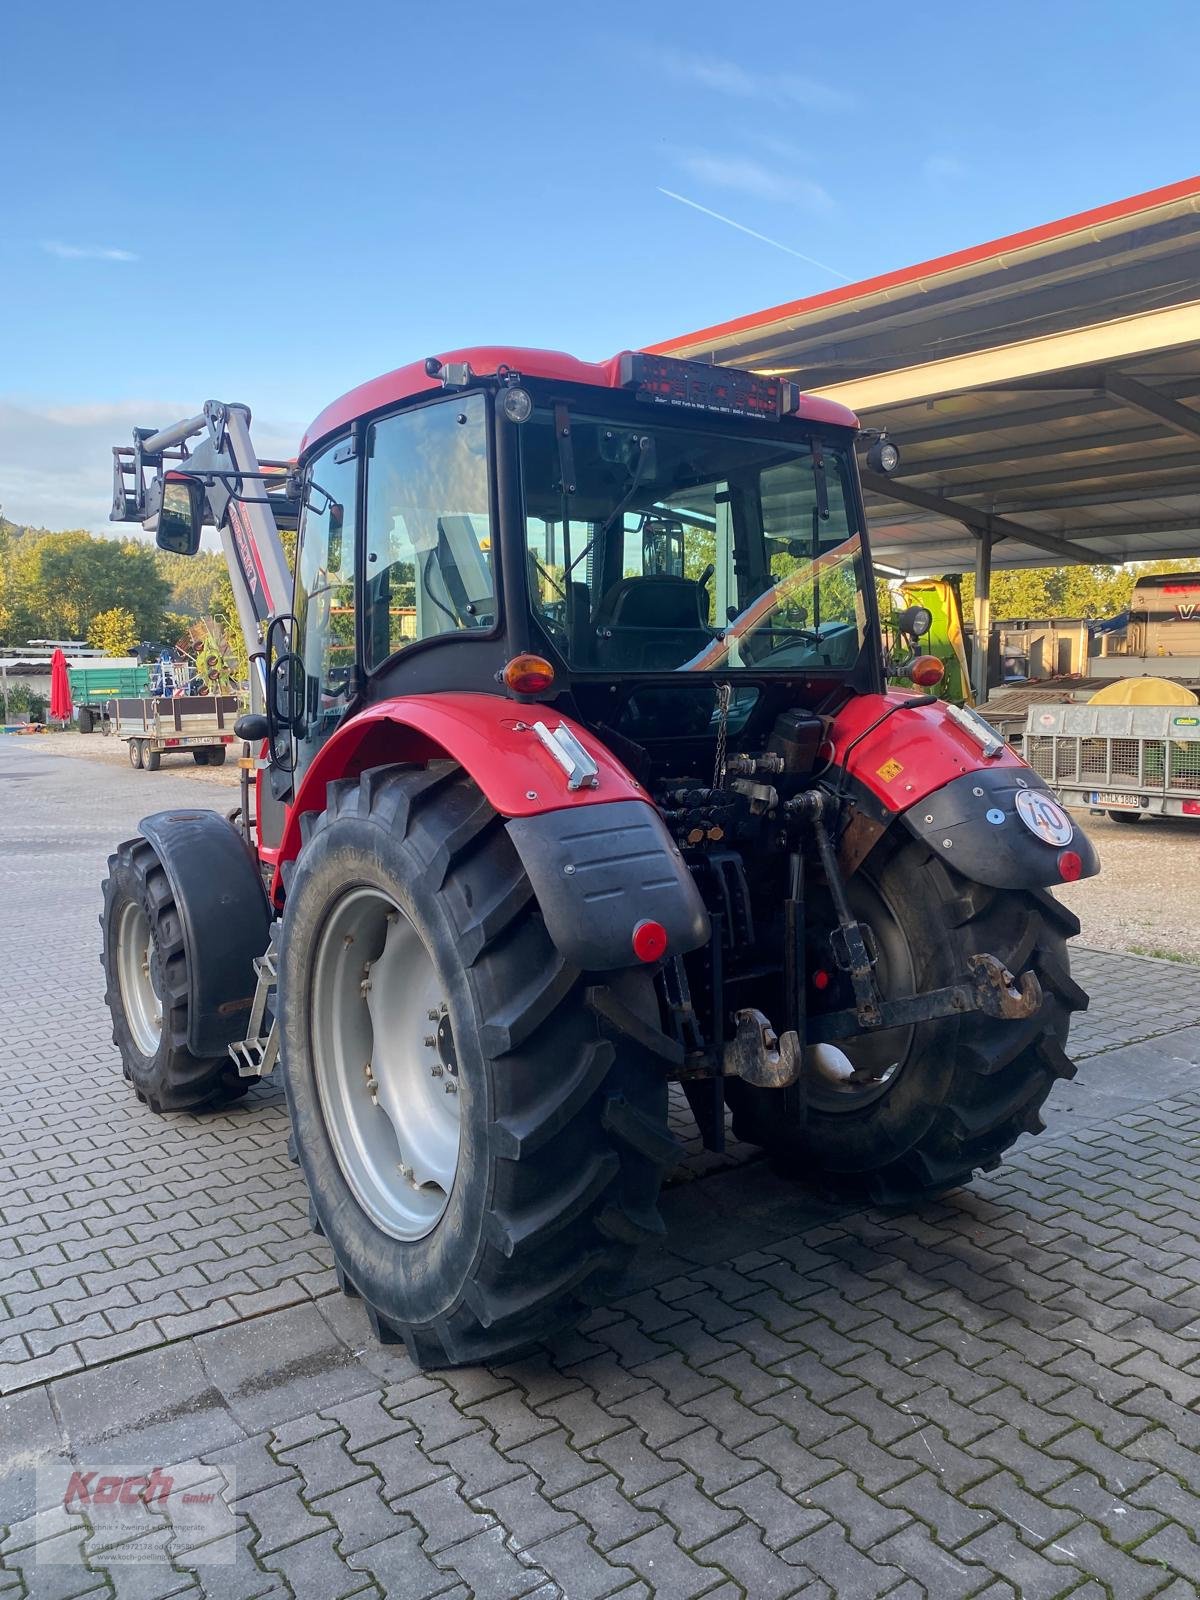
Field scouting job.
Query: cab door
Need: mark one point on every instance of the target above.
(324, 603)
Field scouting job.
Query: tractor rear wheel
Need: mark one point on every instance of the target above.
(146, 984)
(481, 1152)
(930, 1103)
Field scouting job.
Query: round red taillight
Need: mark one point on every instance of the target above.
(528, 675)
(820, 979)
(649, 940)
(926, 671)
(1070, 866)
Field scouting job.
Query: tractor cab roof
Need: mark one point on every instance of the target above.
(407, 382)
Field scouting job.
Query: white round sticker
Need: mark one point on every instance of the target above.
(1044, 817)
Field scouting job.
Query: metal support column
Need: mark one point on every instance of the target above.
(983, 613)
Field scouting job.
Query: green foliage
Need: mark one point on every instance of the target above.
(194, 580)
(114, 631)
(1041, 592)
(52, 585)
(25, 702)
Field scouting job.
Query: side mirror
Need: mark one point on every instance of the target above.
(181, 515)
(285, 693)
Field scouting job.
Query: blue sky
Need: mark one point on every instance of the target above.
(273, 201)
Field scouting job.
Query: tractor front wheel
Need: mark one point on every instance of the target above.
(146, 984)
(930, 1103)
(480, 1152)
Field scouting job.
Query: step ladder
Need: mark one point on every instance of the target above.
(255, 1055)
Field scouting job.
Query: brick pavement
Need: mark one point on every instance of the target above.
(991, 1396)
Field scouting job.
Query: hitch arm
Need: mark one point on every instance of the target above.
(991, 989)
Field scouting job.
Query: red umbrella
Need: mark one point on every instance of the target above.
(60, 689)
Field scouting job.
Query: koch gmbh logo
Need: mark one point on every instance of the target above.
(105, 1515)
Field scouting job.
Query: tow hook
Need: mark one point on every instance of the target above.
(758, 1055)
(999, 994)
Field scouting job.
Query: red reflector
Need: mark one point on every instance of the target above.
(528, 675)
(1191, 808)
(171, 741)
(1070, 867)
(649, 940)
(820, 979)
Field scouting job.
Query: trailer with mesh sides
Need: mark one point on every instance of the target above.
(1130, 761)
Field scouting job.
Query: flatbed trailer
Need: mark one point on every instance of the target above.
(200, 725)
(1129, 761)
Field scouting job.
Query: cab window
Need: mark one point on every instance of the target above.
(429, 561)
(324, 602)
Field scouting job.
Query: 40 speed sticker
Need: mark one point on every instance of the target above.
(1044, 817)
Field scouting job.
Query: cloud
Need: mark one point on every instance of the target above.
(56, 458)
(746, 176)
(942, 169)
(730, 78)
(85, 252)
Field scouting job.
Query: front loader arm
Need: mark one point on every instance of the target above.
(237, 503)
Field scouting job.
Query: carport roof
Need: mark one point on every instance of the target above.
(1038, 387)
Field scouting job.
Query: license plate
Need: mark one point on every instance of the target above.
(1116, 802)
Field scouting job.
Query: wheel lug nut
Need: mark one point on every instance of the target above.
(451, 1086)
(433, 1014)
(437, 1071)
(430, 1041)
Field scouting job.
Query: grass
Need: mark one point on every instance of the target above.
(1160, 953)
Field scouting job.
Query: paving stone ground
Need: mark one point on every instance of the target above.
(995, 1395)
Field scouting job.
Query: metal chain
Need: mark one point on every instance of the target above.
(724, 696)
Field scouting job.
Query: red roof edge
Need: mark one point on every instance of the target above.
(1186, 188)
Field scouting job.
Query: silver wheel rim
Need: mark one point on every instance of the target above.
(137, 974)
(384, 1061)
(877, 1058)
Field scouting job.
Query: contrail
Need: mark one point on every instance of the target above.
(741, 228)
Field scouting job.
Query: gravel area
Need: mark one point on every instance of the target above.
(1143, 899)
(96, 747)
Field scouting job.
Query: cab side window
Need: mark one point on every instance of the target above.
(429, 565)
(324, 603)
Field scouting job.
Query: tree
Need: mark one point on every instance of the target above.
(114, 631)
(194, 580)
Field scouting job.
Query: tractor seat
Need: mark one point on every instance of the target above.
(648, 623)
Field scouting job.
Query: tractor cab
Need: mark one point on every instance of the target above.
(663, 526)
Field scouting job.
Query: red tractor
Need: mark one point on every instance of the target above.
(575, 777)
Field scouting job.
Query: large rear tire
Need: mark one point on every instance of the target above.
(412, 946)
(146, 984)
(934, 1102)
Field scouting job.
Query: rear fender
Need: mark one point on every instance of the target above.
(600, 859)
(916, 766)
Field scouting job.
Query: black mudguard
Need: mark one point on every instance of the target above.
(226, 920)
(973, 824)
(597, 871)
